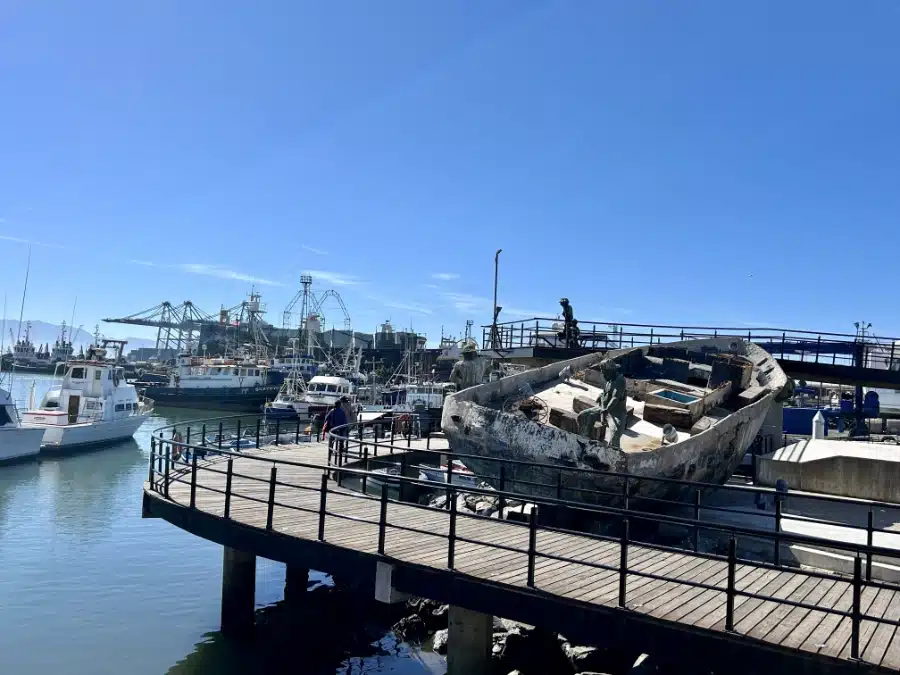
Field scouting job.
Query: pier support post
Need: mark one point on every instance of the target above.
(384, 585)
(238, 592)
(469, 642)
(296, 581)
(773, 425)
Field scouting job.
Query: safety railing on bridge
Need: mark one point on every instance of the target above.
(818, 347)
(386, 454)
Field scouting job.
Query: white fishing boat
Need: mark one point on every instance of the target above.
(291, 401)
(324, 390)
(17, 443)
(92, 405)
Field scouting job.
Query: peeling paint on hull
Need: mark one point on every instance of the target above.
(474, 425)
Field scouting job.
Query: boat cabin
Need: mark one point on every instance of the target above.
(328, 389)
(193, 373)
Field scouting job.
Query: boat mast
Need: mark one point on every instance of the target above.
(12, 372)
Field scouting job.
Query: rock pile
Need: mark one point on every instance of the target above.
(518, 648)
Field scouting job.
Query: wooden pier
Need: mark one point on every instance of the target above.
(282, 502)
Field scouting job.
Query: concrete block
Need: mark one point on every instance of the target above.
(384, 587)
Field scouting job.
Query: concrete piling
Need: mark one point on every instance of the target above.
(469, 642)
(238, 592)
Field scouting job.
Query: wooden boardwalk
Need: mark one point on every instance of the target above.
(353, 523)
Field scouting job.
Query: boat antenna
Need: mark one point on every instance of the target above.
(12, 371)
(2, 336)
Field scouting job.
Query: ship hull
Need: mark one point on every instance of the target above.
(475, 424)
(71, 437)
(19, 444)
(238, 399)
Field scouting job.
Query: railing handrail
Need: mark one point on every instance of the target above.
(738, 331)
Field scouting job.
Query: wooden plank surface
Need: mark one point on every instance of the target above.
(496, 551)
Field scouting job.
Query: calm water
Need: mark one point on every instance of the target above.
(87, 586)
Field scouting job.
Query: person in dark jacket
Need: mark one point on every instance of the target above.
(336, 417)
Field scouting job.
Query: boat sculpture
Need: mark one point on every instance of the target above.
(693, 409)
(92, 405)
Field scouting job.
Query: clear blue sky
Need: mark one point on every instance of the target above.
(698, 161)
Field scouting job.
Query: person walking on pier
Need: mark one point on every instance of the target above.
(336, 417)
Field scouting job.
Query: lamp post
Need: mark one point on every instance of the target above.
(494, 335)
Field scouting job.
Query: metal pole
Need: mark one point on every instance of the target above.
(451, 539)
(258, 424)
(382, 520)
(168, 462)
(277, 431)
(502, 501)
(297, 434)
(220, 435)
(696, 541)
(403, 460)
(239, 433)
(271, 510)
(496, 278)
(203, 434)
(323, 494)
(856, 610)
(623, 563)
(152, 459)
(194, 480)
(365, 466)
(532, 544)
(729, 595)
(777, 529)
(227, 514)
(870, 533)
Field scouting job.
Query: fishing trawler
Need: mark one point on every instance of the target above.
(324, 390)
(238, 383)
(693, 409)
(290, 403)
(92, 405)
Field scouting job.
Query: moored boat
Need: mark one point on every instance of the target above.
(693, 408)
(17, 443)
(92, 405)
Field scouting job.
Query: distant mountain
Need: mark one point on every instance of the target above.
(47, 333)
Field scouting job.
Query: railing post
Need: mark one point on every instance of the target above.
(777, 529)
(297, 433)
(696, 541)
(203, 434)
(220, 435)
(623, 564)
(228, 475)
(451, 537)
(729, 593)
(239, 434)
(532, 544)
(856, 611)
(428, 439)
(365, 467)
(323, 494)
(194, 480)
(625, 493)
(258, 425)
(152, 460)
(187, 436)
(870, 534)
(168, 463)
(403, 463)
(818, 346)
(382, 518)
(559, 486)
(277, 431)
(375, 427)
(271, 510)
(450, 495)
(501, 502)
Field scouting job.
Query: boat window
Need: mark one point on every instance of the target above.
(77, 373)
(330, 388)
(98, 374)
(120, 407)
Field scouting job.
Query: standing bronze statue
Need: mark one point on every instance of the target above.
(570, 326)
(611, 410)
(469, 370)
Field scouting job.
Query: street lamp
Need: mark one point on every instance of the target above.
(494, 335)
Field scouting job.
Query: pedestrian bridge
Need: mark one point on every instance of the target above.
(289, 498)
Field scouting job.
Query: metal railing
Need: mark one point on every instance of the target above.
(355, 449)
(785, 344)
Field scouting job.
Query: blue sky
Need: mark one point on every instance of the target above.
(691, 162)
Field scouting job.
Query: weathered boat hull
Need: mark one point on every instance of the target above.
(476, 425)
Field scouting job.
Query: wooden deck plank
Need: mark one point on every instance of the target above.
(781, 614)
(877, 647)
(841, 635)
(701, 612)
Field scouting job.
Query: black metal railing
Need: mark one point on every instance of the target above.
(785, 344)
(355, 449)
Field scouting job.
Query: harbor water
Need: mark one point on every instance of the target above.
(90, 588)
